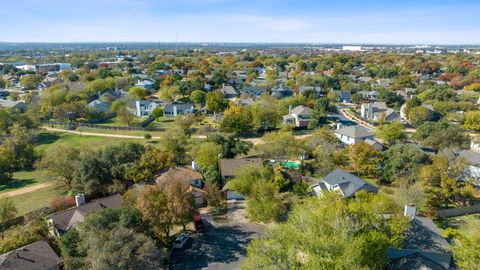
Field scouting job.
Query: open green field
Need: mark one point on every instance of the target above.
(31, 201)
(25, 179)
(47, 140)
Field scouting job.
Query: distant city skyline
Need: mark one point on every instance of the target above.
(267, 21)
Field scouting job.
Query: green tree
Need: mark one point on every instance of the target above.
(365, 159)
(120, 108)
(442, 135)
(181, 203)
(215, 102)
(264, 203)
(61, 161)
(157, 112)
(29, 82)
(155, 209)
(391, 133)
(323, 233)
(215, 197)
(402, 163)
(7, 212)
(281, 145)
(419, 115)
(231, 145)
(206, 154)
(198, 96)
(443, 184)
(472, 120)
(137, 92)
(466, 248)
(236, 119)
(6, 164)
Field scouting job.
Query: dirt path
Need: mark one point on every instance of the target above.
(26, 189)
(254, 141)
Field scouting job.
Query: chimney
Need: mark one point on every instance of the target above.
(194, 166)
(80, 199)
(289, 109)
(339, 125)
(410, 210)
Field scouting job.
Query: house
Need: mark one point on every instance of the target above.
(63, 221)
(472, 172)
(424, 246)
(14, 105)
(316, 89)
(228, 91)
(99, 106)
(146, 84)
(49, 81)
(353, 134)
(298, 116)
(375, 144)
(174, 109)
(143, 107)
(229, 168)
(281, 91)
(187, 176)
(246, 102)
(36, 256)
(377, 111)
(112, 95)
(385, 83)
(364, 79)
(254, 91)
(343, 182)
(344, 96)
(369, 95)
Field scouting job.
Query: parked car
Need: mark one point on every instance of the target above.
(198, 223)
(181, 241)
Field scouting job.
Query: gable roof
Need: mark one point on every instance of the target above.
(229, 167)
(38, 255)
(228, 90)
(255, 90)
(180, 106)
(423, 242)
(348, 183)
(301, 110)
(356, 132)
(182, 174)
(471, 157)
(69, 218)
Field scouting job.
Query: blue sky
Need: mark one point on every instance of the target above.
(334, 21)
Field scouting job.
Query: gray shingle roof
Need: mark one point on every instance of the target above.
(472, 158)
(347, 182)
(356, 132)
(301, 110)
(38, 255)
(423, 244)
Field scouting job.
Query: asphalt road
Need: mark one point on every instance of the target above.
(221, 246)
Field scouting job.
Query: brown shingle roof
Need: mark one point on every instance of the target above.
(38, 255)
(66, 219)
(182, 174)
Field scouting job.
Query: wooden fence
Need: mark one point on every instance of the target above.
(460, 211)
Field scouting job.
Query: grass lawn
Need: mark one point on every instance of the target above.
(35, 200)
(140, 133)
(47, 140)
(24, 179)
(464, 224)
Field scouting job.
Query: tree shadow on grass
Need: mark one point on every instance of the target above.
(224, 244)
(46, 138)
(16, 184)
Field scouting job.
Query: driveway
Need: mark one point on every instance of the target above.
(222, 245)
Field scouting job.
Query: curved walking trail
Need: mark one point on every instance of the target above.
(26, 189)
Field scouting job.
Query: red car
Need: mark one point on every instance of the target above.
(198, 223)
